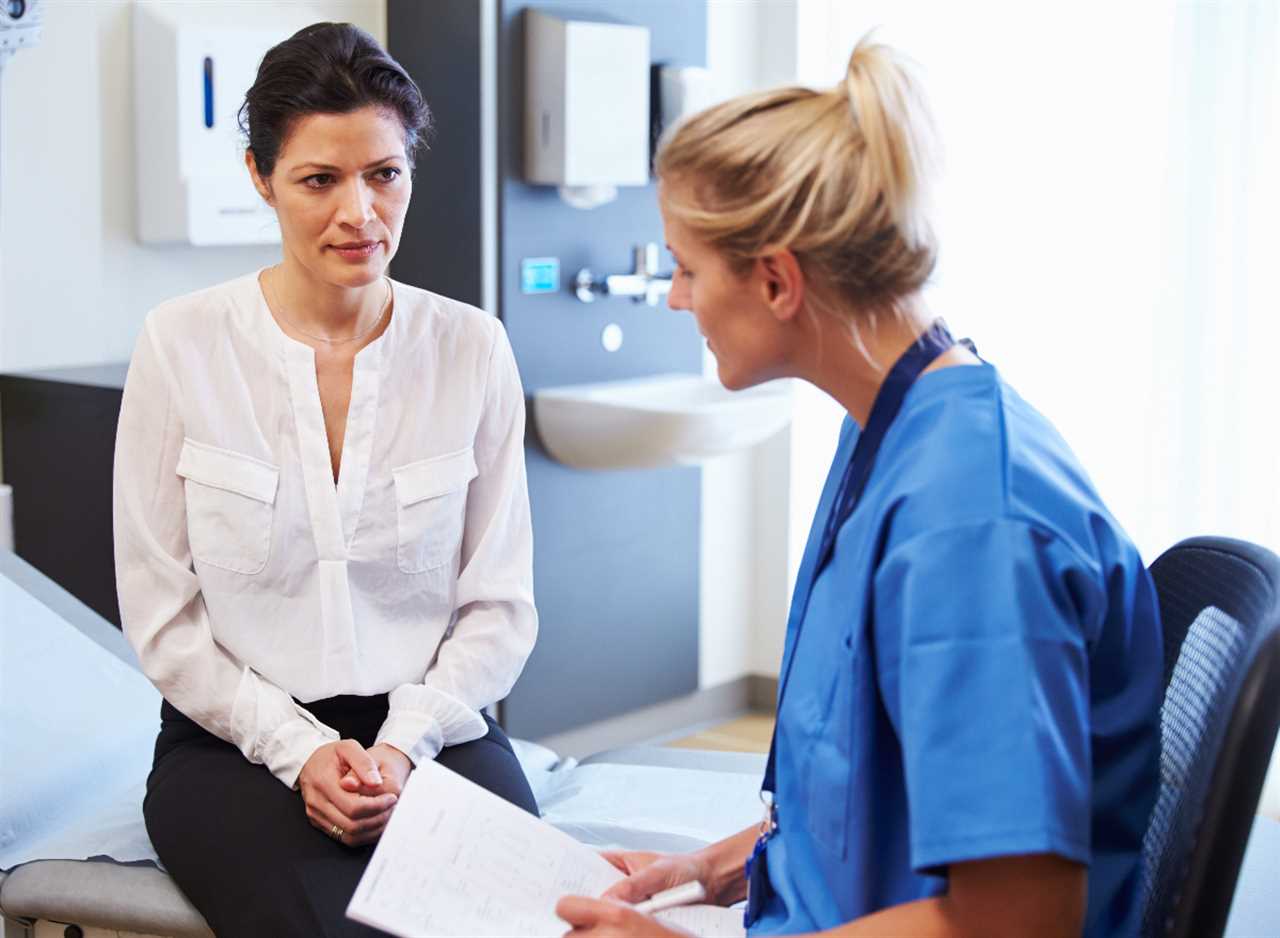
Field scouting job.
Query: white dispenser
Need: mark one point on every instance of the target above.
(191, 72)
(682, 91)
(586, 102)
(20, 22)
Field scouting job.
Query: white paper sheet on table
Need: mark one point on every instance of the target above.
(642, 807)
(458, 860)
(77, 730)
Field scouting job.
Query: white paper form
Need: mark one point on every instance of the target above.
(458, 860)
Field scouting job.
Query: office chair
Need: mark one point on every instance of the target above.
(1220, 607)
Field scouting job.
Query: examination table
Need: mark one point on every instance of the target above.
(77, 726)
(78, 721)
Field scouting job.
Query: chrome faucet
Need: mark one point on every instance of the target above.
(642, 285)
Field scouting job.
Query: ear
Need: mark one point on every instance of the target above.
(782, 283)
(262, 185)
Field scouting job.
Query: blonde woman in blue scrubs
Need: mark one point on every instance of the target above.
(967, 735)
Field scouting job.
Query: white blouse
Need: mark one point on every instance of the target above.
(249, 581)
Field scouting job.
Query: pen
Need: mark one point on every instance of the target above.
(668, 898)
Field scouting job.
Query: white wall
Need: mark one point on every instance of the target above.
(745, 500)
(75, 285)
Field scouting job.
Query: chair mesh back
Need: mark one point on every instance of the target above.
(1217, 600)
(1193, 718)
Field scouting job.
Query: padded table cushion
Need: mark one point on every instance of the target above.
(136, 897)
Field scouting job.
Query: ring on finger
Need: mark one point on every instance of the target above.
(335, 832)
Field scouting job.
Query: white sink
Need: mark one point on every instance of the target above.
(661, 420)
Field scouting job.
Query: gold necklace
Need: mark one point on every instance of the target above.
(320, 338)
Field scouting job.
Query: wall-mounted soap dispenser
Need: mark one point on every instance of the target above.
(586, 106)
(191, 72)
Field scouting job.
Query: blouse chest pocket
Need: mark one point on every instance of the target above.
(230, 499)
(431, 506)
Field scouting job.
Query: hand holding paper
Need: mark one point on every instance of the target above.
(603, 918)
(458, 860)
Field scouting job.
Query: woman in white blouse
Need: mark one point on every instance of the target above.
(323, 545)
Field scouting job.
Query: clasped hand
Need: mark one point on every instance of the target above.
(350, 791)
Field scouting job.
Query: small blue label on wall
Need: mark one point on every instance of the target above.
(539, 275)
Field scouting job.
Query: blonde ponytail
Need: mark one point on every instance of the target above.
(839, 177)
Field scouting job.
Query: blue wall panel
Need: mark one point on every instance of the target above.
(616, 553)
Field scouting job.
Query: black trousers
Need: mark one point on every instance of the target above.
(239, 844)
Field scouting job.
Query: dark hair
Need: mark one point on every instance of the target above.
(327, 68)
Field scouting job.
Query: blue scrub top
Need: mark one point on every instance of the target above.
(979, 672)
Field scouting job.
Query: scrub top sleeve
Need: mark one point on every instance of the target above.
(161, 605)
(982, 660)
(495, 619)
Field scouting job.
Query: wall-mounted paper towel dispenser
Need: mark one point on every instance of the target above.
(191, 72)
(586, 104)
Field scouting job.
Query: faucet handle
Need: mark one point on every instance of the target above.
(587, 287)
(643, 285)
(646, 256)
(656, 289)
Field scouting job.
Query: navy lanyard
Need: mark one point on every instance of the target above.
(933, 342)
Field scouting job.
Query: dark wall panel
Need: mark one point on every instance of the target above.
(59, 430)
(438, 43)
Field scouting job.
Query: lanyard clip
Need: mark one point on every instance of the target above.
(768, 823)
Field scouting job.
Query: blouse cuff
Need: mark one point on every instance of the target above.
(423, 720)
(290, 746)
(270, 728)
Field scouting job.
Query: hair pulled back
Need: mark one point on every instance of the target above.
(327, 68)
(839, 177)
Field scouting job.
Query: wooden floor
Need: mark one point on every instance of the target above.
(749, 733)
(752, 733)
